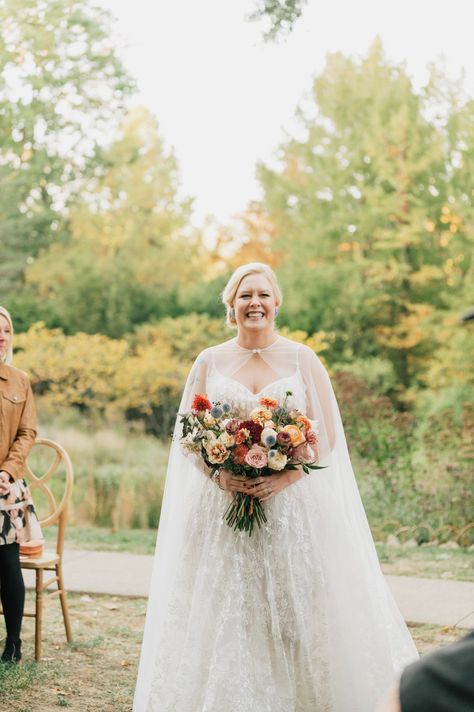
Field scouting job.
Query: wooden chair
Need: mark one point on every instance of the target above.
(57, 514)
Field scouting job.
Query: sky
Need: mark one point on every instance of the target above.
(225, 100)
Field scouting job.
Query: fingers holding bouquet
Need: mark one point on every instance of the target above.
(233, 483)
(264, 488)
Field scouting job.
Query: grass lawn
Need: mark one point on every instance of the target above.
(132, 541)
(427, 562)
(424, 561)
(97, 672)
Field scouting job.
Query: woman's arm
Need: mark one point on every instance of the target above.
(14, 464)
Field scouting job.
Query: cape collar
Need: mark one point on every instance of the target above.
(3, 371)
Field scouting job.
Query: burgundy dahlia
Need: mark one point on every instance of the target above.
(254, 429)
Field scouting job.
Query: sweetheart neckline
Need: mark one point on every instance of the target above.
(272, 383)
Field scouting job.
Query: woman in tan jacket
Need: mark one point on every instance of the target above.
(18, 521)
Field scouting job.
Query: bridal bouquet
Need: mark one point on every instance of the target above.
(273, 438)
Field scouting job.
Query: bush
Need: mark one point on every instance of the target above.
(410, 467)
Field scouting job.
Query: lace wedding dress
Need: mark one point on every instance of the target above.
(296, 618)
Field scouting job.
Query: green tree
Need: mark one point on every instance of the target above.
(62, 87)
(371, 209)
(279, 16)
(131, 251)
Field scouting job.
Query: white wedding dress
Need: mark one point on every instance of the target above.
(295, 618)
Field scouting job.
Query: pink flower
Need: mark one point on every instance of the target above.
(256, 457)
(303, 453)
(311, 437)
(232, 425)
(283, 437)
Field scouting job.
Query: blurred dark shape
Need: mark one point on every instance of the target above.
(442, 681)
(467, 315)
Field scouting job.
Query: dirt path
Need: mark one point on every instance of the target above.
(97, 672)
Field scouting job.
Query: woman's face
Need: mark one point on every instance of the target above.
(254, 303)
(5, 336)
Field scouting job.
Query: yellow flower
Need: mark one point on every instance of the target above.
(208, 420)
(227, 439)
(261, 415)
(277, 460)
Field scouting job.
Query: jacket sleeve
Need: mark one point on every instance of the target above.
(15, 461)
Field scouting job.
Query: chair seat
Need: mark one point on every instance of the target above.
(48, 558)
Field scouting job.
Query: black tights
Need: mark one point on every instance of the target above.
(12, 588)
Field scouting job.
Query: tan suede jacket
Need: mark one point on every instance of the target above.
(17, 420)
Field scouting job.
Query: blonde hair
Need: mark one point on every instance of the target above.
(230, 290)
(8, 358)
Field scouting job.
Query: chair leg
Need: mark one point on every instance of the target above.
(38, 613)
(64, 606)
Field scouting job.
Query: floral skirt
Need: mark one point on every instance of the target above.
(18, 520)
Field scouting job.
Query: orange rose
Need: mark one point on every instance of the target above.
(304, 421)
(295, 434)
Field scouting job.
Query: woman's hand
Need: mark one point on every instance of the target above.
(267, 487)
(233, 483)
(4, 483)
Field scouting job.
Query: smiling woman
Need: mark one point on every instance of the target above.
(252, 298)
(264, 622)
(252, 285)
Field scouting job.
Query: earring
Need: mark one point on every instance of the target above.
(232, 313)
(277, 311)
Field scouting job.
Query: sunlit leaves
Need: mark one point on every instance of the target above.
(278, 16)
(369, 209)
(62, 88)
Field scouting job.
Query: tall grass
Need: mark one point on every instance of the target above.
(119, 472)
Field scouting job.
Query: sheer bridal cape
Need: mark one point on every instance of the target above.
(297, 618)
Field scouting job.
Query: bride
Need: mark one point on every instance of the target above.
(297, 617)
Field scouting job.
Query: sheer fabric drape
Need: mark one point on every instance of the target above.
(316, 627)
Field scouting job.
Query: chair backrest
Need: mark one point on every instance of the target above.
(57, 511)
